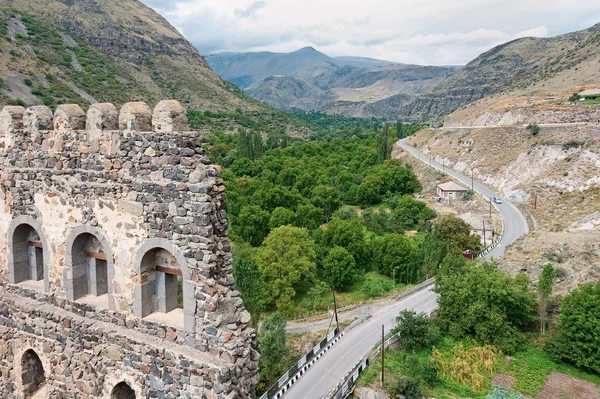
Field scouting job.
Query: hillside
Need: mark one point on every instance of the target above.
(552, 177)
(524, 66)
(308, 80)
(101, 50)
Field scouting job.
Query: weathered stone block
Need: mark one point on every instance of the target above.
(135, 116)
(38, 117)
(69, 117)
(100, 117)
(11, 118)
(169, 116)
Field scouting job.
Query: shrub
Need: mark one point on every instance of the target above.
(28, 82)
(1, 82)
(17, 101)
(574, 97)
(498, 392)
(374, 287)
(468, 195)
(414, 330)
(533, 128)
(407, 387)
(577, 340)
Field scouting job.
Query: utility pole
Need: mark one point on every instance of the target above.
(535, 201)
(484, 242)
(490, 207)
(382, 355)
(337, 323)
(472, 180)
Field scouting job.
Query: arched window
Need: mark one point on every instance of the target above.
(122, 391)
(162, 272)
(89, 265)
(165, 292)
(32, 373)
(27, 259)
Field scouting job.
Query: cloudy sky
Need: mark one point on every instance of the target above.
(434, 32)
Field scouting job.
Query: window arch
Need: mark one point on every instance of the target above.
(122, 391)
(164, 285)
(32, 373)
(89, 264)
(28, 252)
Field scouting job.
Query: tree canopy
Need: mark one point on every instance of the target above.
(479, 300)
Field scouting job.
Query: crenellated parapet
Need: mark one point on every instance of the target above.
(167, 116)
(117, 215)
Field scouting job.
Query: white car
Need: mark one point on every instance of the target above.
(497, 200)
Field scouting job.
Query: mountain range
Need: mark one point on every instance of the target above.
(308, 80)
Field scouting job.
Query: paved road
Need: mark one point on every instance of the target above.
(325, 374)
(328, 372)
(515, 224)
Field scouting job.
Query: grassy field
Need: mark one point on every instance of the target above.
(530, 367)
(372, 286)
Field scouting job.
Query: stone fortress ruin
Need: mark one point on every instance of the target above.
(115, 264)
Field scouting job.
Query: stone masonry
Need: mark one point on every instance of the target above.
(115, 264)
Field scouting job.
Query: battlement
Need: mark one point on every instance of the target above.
(117, 216)
(167, 116)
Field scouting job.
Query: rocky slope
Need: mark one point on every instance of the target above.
(307, 80)
(538, 65)
(552, 177)
(84, 51)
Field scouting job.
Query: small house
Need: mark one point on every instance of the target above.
(450, 191)
(591, 94)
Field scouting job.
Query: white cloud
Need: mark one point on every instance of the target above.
(438, 32)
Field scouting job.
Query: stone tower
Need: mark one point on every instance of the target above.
(115, 264)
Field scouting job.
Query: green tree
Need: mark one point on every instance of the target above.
(287, 265)
(414, 330)
(432, 252)
(479, 300)
(314, 296)
(252, 224)
(272, 347)
(339, 268)
(577, 338)
(326, 198)
(384, 147)
(544, 288)
(394, 254)
(399, 127)
(348, 234)
(309, 216)
(281, 217)
(248, 283)
(456, 236)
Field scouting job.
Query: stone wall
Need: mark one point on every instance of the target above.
(124, 199)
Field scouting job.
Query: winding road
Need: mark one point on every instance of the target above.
(326, 373)
(515, 224)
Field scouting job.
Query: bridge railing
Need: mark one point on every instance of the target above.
(344, 388)
(494, 244)
(297, 370)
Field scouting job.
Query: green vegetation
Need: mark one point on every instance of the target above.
(478, 300)
(576, 340)
(272, 347)
(545, 285)
(533, 128)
